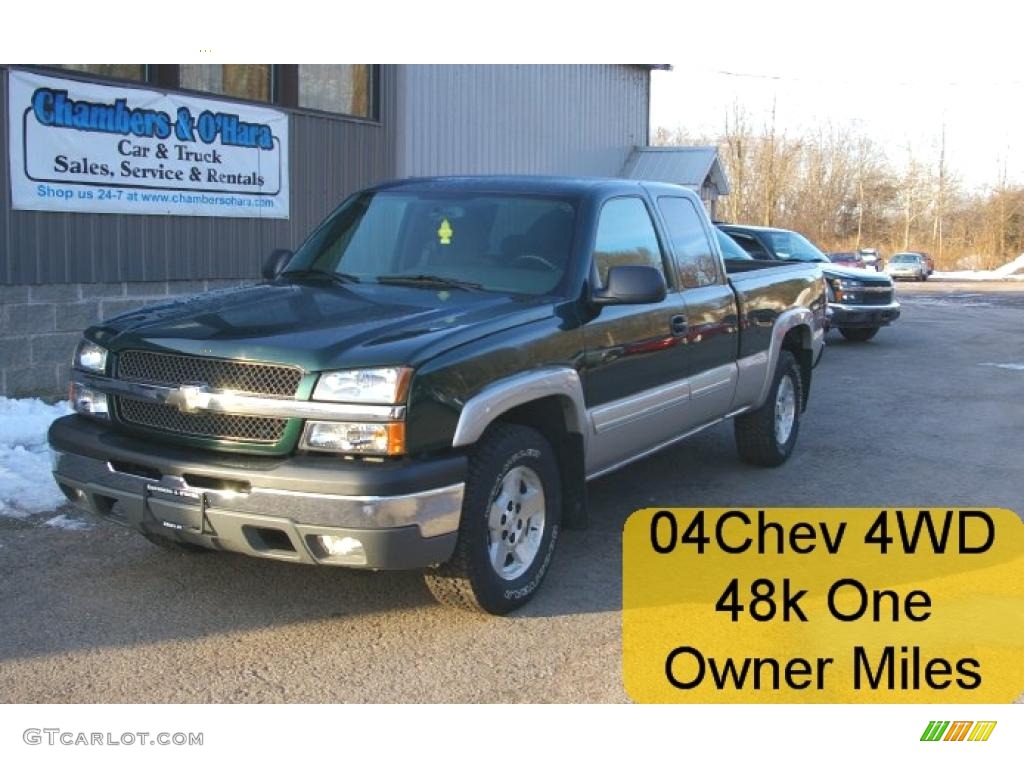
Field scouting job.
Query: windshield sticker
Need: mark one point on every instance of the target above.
(445, 232)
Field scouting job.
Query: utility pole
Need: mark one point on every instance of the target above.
(769, 185)
(937, 238)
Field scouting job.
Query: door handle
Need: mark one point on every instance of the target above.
(678, 325)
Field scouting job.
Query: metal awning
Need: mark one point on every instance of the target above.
(688, 166)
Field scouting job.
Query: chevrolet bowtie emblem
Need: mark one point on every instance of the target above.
(187, 399)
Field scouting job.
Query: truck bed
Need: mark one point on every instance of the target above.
(766, 289)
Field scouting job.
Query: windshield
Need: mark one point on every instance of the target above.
(905, 258)
(492, 242)
(730, 248)
(792, 246)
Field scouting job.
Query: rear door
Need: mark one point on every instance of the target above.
(635, 362)
(712, 337)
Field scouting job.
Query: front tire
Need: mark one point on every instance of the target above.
(858, 334)
(511, 518)
(766, 437)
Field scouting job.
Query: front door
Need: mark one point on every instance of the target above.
(634, 374)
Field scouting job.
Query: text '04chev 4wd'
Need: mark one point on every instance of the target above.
(431, 379)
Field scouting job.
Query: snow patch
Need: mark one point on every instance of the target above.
(929, 301)
(68, 523)
(1005, 366)
(26, 485)
(1012, 270)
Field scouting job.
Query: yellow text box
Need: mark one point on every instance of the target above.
(822, 614)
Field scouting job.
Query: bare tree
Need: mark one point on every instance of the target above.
(836, 185)
(735, 143)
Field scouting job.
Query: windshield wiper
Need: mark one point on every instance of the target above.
(430, 281)
(340, 277)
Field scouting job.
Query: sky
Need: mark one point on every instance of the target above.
(895, 68)
(982, 119)
(896, 71)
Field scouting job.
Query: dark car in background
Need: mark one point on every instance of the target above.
(731, 250)
(859, 302)
(850, 259)
(928, 262)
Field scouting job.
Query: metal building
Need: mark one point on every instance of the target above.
(88, 138)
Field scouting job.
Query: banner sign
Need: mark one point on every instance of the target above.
(77, 146)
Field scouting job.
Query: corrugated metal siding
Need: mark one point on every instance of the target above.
(543, 119)
(330, 158)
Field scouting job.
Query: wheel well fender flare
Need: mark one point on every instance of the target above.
(811, 339)
(501, 396)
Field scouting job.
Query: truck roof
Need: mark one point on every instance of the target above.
(755, 227)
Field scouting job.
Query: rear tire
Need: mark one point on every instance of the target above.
(511, 518)
(858, 334)
(766, 437)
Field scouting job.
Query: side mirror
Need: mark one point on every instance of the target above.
(631, 285)
(275, 262)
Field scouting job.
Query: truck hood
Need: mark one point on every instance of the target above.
(319, 325)
(851, 273)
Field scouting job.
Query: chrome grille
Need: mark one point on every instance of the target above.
(176, 370)
(166, 418)
(878, 298)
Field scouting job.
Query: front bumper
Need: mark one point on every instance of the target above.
(862, 316)
(393, 515)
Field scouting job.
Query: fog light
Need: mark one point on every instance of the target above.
(343, 549)
(351, 437)
(88, 401)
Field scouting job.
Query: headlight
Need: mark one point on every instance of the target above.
(90, 357)
(845, 291)
(88, 401)
(352, 437)
(850, 285)
(381, 386)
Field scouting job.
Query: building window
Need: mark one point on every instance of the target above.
(241, 81)
(341, 88)
(120, 71)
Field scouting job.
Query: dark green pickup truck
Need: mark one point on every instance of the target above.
(431, 379)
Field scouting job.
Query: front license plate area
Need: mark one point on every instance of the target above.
(179, 509)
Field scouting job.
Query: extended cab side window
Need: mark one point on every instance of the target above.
(625, 236)
(750, 244)
(695, 257)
